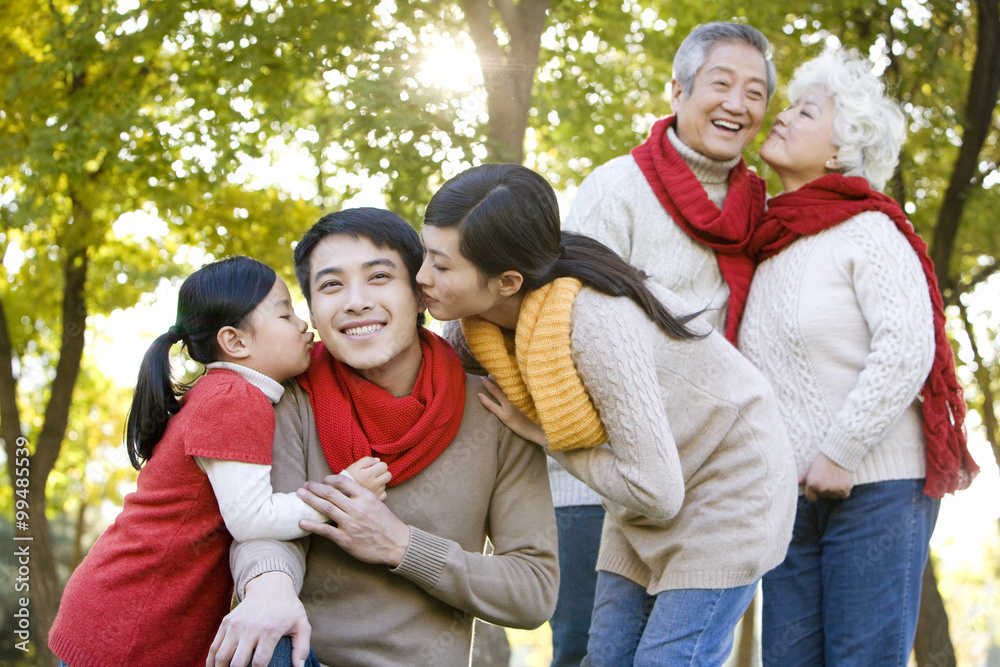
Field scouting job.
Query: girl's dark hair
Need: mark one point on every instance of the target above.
(220, 294)
(508, 219)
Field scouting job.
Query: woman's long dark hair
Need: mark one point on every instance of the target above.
(220, 294)
(508, 219)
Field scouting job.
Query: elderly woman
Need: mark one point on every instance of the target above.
(845, 319)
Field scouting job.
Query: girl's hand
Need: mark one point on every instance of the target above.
(826, 479)
(498, 403)
(372, 474)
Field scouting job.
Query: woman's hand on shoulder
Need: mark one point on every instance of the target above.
(826, 479)
(498, 403)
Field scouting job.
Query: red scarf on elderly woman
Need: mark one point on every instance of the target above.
(828, 201)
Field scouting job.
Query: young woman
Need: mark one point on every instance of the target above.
(156, 585)
(660, 416)
(844, 317)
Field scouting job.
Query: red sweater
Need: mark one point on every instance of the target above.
(156, 585)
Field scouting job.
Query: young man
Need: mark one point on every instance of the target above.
(399, 582)
(673, 207)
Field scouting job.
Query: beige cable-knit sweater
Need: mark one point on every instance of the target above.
(840, 323)
(616, 206)
(696, 475)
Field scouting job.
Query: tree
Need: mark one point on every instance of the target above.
(106, 110)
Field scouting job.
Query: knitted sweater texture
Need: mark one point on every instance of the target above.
(840, 323)
(487, 482)
(616, 206)
(696, 475)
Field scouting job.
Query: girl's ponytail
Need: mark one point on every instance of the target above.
(154, 400)
(220, 294)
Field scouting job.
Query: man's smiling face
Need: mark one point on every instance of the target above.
(722, 112)
(364, 307)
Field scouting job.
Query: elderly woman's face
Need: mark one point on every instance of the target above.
(800, 146)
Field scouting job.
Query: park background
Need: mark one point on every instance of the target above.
(141, 139)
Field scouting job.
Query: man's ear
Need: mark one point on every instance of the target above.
(233, 343)
(510, 283)
(676, 90)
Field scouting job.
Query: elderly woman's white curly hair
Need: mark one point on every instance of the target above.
(869, 128)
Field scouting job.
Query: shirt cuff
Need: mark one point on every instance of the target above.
(424, 559)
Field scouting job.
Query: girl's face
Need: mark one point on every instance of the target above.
(279, 344)
(452, 285)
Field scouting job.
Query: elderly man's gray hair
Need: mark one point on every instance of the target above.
(695, 47)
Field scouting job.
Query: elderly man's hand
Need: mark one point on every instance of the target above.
(826, 479)
(269, 611)
(362, 525)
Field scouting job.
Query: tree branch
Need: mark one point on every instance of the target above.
(983, 87)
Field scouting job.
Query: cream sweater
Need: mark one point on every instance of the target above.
(616, 206)
(840, 323)
(696, 475)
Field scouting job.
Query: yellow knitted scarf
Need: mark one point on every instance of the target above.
(535, 367)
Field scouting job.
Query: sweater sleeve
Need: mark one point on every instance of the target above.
(252, 558)
(524, 564)
(893, 296)
(248, 506)
(600, 212)
(639, 468)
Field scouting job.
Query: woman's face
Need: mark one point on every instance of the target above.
(452, 285)
(800, 145)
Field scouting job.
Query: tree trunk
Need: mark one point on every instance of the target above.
(508, 71)
(933, 647)
(983, 87)
(44, 584)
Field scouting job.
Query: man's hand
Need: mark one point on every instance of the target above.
(372, 474)
(362, 525)
(826, 479)
(270, 611)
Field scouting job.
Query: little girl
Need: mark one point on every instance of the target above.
(156, 585)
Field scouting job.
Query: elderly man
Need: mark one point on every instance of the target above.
(399, 582)
(678, 207)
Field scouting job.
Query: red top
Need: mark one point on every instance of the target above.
(156, 585)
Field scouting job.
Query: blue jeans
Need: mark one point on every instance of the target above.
(579, 541)
(282, 656)
(691, 626)
(848, 592)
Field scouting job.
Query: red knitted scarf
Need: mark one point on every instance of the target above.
(356, 418)
(828, 201)
(726, 231)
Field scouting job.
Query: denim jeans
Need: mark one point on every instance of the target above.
(848, 591)
(579, 541)
(691, 626)
(282, 655)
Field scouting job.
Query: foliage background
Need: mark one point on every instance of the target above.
(140, 139)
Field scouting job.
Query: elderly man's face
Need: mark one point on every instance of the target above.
(722, 112)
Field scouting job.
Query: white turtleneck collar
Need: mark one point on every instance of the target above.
(273, 390)
(706, 170)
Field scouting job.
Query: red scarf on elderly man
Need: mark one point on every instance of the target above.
(828, 201)
(725, 231)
